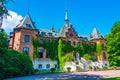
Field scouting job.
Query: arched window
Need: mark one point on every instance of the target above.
(40, 52)
(26, 50)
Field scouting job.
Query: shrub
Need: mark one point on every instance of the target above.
(68, 69)
(36, 71)
(87, 57)
(105, 67)
(52, 70)
(114, 67)
(14, 64)
(90, 67)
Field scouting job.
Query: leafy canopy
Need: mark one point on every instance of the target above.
(3, 40)
(113, 45)
(14, 64)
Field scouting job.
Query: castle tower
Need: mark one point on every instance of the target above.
(98, 39)
(21, 38)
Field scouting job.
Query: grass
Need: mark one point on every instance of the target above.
(116, 78)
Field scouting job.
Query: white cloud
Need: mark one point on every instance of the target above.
(11, 21)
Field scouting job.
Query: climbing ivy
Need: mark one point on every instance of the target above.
(63, 51)
(35, 46)
(61, 58)
(52, 48)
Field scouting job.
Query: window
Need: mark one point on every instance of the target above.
(103, 45)
(40, 66)
(55, 65)
(71, 35)
(74, 43)
(41, 41)
(92, 46)
(40, 52)
(104, 56)
(47, 54)
(28, 26)
(48, 66)
(48, 41)
(50, 34)
(26, 50)
(27, 38)
(78, 43)
(69, 42)
(43, 34)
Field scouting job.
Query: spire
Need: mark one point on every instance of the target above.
(28, 10)
(66, 15)
(52, 28)
(66, 19)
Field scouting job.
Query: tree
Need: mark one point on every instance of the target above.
(113, 45)
(3, 9)
(3, 40)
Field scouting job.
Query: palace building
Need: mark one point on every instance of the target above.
(22, 35)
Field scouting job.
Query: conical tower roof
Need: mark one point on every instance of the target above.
(95, 34)
(27, 23)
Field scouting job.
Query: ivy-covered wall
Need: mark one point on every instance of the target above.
(63, 51)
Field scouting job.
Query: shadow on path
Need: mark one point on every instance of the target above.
(62, 76)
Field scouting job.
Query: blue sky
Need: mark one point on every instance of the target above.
(83, 14)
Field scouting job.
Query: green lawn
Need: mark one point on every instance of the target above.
(117, 78)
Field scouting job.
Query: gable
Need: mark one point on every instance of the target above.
(27, 23)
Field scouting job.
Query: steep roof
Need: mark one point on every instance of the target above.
(95, 34)
(48, 33)
(62, 32)
(27, 23)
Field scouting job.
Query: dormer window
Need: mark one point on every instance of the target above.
(28, 26)
(50, 34)
(43, 33)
